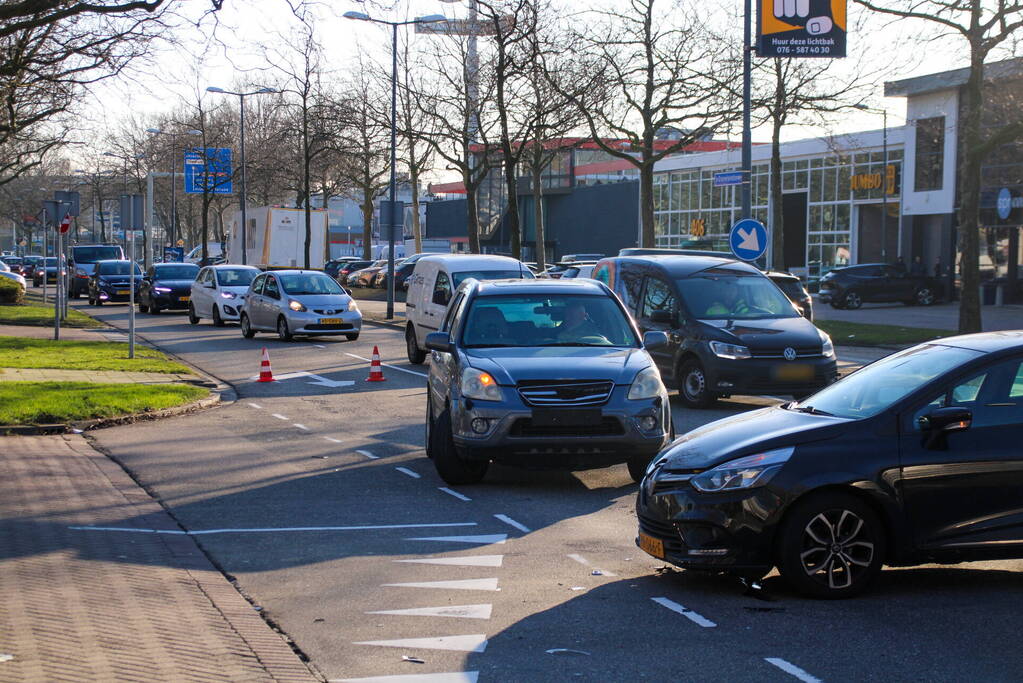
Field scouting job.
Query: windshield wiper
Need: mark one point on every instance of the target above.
(813, 411)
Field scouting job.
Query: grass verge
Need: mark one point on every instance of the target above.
(24, 403)
(23, 352)
(42, 316)
(869, 334)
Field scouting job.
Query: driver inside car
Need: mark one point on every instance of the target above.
(728, 302)
(577, 324)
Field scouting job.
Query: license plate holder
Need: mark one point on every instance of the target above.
(652, 546)
(565, 417)
(330, 321)
(794, 372)
(182, 298)
(123, 292)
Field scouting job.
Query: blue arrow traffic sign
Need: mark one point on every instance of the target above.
(748, 239)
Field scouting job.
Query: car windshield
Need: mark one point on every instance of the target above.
(727, 296)
(236, 277)
(868, 391)
(546, 320)
(309, 283)
(117, 268)
(93, 254)
(522, 274)
(51, 261)
(182, 272)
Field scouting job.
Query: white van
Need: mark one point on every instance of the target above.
(433, 283)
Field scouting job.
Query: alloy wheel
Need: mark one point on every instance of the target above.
(837, 549)
(924, 296)
(853, 300)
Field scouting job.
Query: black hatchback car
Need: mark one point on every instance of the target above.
(912, 459)
(544, 374)
(111, 281)
(852, 286)
(730, 329)
(166, 286)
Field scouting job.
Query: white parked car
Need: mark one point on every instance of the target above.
(219, 292)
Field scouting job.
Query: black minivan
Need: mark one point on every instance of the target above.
(730, 329)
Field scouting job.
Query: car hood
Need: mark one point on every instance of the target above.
(338, 301)
(511, 365)
(241, 290)
(768, 334)
(748, 433)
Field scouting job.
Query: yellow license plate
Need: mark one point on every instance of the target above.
(794, 372)
(182, 298)
(649, 544)
(330, 321)
(122, 292)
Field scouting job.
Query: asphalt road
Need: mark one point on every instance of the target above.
(317, 497)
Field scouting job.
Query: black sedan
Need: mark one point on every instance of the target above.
(47, 268)
(111, 281)
(910, 460)
(852, 286)
(166, 286)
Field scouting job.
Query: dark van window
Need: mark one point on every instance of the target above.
(632, 284)
(442, 288)
(658, 297)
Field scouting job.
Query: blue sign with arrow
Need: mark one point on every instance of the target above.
(208, 170)
(748, 239)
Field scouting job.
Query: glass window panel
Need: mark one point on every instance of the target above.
(816, 182)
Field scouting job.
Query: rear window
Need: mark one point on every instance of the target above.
(93, 254)
(792, 288)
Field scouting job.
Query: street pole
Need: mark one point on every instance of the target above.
(747, 152)
(884, 188)
(131, 283)
(56, 285)
(244, 197)
(392, 219)
(172, 238)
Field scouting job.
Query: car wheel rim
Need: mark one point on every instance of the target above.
(924, 296)
(695, 383)
(837, 549)
(853, 300)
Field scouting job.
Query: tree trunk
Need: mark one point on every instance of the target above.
(472, 217)
(306, 189)
(646, 205)
(205, 228)
(777, 231)
(969, 192)
(541, 235)
(417, 230)
(514, 225)
(367, 224)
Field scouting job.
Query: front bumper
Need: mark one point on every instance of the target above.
(171, 300)
(308, 322)
(826, 296)
(770, 376)
(513, 438)
(711, 531)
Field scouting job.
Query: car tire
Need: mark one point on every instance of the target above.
(283, 333)
(192, 317)
(692, 385)
(844, 533)
(451, 467)
(416, 356)
(352, 337)
(852, 300)
(246, 327)
(217, 320)
(637, 468)
(143, 308)
(924, 296)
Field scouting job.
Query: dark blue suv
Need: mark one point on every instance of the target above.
(544, 374)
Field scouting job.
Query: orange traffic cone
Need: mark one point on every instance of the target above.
(376, 372)
(265, 373)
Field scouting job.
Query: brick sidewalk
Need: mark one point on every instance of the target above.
(78, 605)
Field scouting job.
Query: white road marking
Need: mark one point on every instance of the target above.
(586, 563)
(458, 584)
(202, 532)
(302, 427)
(405, 470)
(388, 365)
(317, 380)
(368, 455)
(319, 346)
(469, 561)
(256, 406)
(511, 522)
(279, 416)
(489, 539)
(459, 677)
(792, 669)
(456, 494)
(473, 643)
(332, 440)
(687, 613)
(460, 611)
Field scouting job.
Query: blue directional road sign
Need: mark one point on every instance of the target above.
(748, 239)
(208, 170)
(728, 178)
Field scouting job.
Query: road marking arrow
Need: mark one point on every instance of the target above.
(317, 380)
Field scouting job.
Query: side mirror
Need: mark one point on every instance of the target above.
(439, 341)
(661, 316)
(944, 420)
(655, 340)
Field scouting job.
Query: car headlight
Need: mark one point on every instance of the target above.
(480, 385)
(80, 272)
(827, 347)
(352, 306)
(296, 305)
(228, 295)
(164, 290)
(730, 351)
(647, 384)
(743, 473)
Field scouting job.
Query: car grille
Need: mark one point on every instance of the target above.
(666, 531)
(317, 326)
(330, 311)
(606, 426)
(801, 352)
(565, 393)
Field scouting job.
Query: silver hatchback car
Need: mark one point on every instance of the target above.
(294, 302)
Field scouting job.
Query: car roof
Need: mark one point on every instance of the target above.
(678, 266)
(986, 342)
(539, 286)
(225, 266)
(297, 271)
(471, 261)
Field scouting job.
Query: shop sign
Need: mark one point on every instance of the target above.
(862, 182)
(697, 227)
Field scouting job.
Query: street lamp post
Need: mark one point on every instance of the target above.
(241, 126)
(174, 181)
(392, 192)
(884, 177)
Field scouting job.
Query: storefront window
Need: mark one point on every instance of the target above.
(930, 154)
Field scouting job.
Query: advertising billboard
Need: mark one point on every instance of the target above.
(801, 28)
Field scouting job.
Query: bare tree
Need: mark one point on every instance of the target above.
(986, 26)
(413, 125)
(643, 71)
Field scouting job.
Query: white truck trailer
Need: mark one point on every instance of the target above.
(276, 238)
